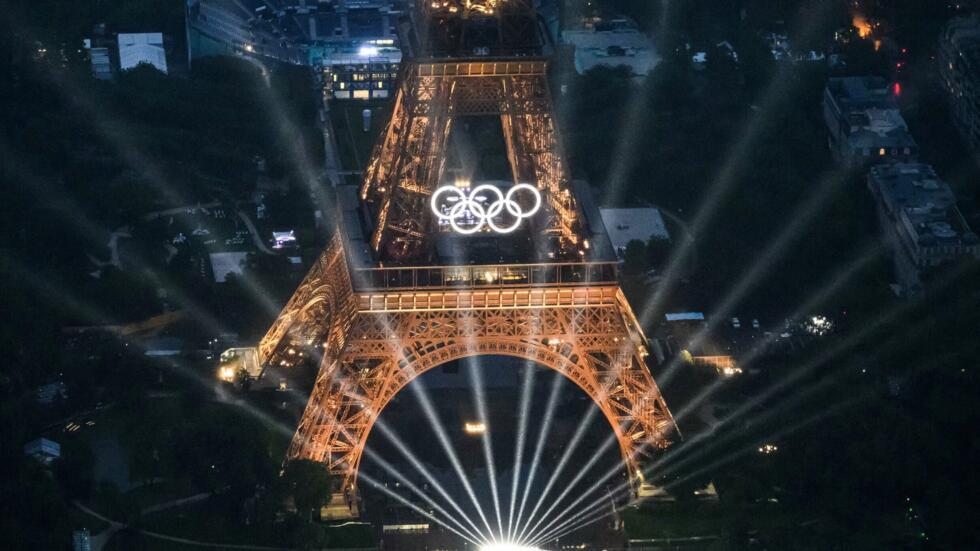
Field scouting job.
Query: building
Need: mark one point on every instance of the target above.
(235, 361)
(634, 224)
(46, 395)
(354, 42)
(43, 450)
(611, 43)
(226, 263)
(137, 49)
(920, 220)
(357, 48)
(81, 540)
(864, 121)
(100, 61)
(959, 69)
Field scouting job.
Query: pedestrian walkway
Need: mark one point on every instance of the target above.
(99, 540)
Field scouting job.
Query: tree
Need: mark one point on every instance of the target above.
(636, 258)
(74, 470)
(308, 483)
(658, 252)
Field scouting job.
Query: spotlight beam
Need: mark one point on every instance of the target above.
(566, 456)
(594, 487)
(832, 287)
(390, 469)
(582, 519)
(689, 445)
(416, 508)
(777, 93)
(576, 438)
(549, 414)
(573, 444)
(423, 399)
(479, 394)
(417, 464)
(527, 388)
(800, 219)
(612, 439)
(786, 431)
(592, 513)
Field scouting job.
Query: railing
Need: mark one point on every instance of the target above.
(486, 276)
(477, 68)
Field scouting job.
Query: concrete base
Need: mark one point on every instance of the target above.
(341, 507)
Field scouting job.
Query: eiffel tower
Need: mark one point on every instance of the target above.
(408, 283)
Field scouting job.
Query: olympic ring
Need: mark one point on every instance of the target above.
(470, 204)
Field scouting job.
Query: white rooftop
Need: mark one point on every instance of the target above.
(136, 49)
(367, 54)
(612, 48)
(625, 225)
(685, 316)
(226, 263)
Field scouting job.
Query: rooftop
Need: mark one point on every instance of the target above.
(860, 93)
(912, 192)
(612, 47)
(869, 113)
(142, 48)
(641, 224)
(963, 32)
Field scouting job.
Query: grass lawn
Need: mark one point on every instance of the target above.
(160, 492)
(126, 542)
(210, 521)
(206, 521)
(354, 144)
(672, 521)
(351, 535)
(80, 520)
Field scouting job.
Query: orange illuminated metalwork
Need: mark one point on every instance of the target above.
(374, 329)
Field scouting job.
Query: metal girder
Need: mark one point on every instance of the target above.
(373, 345)
(314, 318)
(462, 27)
(408, 163)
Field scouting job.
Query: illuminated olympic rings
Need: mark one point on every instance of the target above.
(484, 215)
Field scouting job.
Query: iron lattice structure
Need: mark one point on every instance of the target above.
(370, 341)
(409, 161)
(371, 344)
(464, 28)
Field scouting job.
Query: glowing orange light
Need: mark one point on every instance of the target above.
(861, 24)
(475, 428)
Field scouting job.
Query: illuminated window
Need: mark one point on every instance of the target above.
(881, 152)
(362, 94)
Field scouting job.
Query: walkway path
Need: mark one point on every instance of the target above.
(100, 539)
(256, 238)
(178, 210)
(176, 503)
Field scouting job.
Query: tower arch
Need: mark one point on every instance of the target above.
(588, 338)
